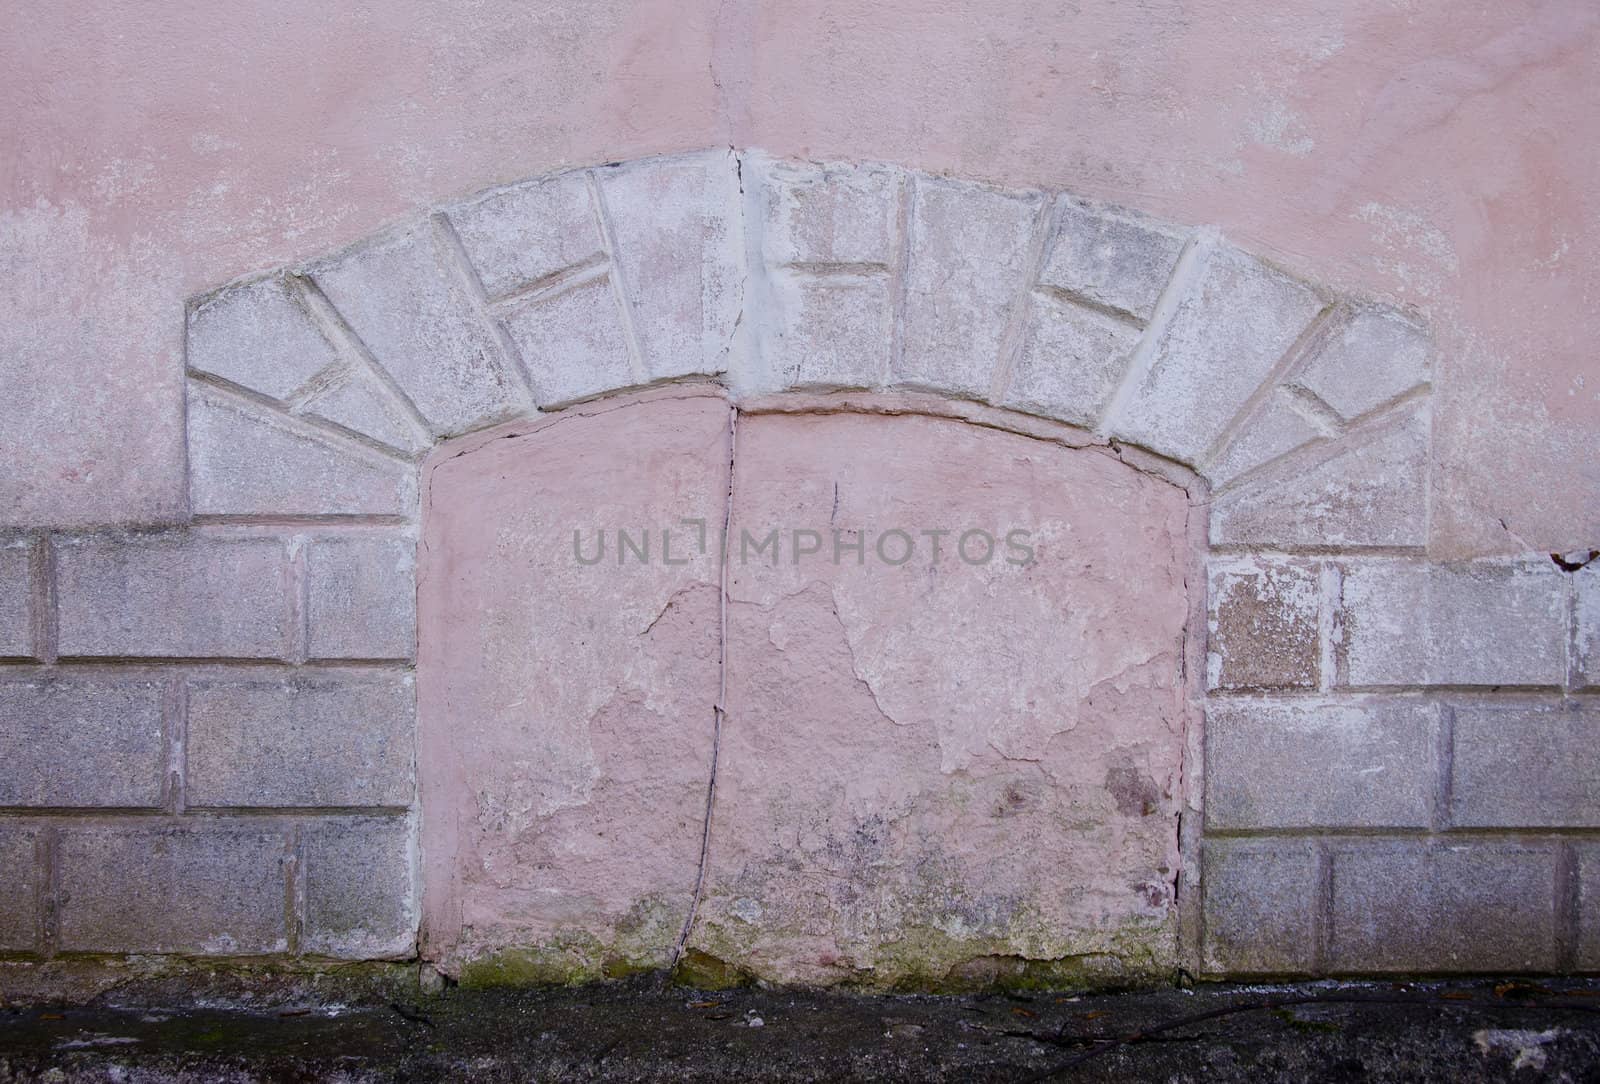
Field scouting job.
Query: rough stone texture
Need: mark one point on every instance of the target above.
(1588, 947)
(832, 330)
(1479, 623)
(1370, 358)
(572, 342)
(971, 260)
(184, 594)
(1110, 259)
(210, 888)
(1320, 764)
(1263, 625)
(16, 599)
(1526, 766)
(526, 233)
(1260, 906)
(1414, 905)
(1587, 647)
(257, 335)
(1234, 323)
(1370, 490)
(244, 461)
(361, 598)
(19, 888)
(933, 767)
(1276, 429)
(841, 214)
(81, 742)
(678, 249)
(323, 740)
(411, 308)
(360, 888)
(565, 710)
(1071, 361)
(354, 401)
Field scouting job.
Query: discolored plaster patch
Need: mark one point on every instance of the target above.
(942, 774)
(565, 709)
(932, 773)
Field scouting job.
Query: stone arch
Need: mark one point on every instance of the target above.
(1296, 420)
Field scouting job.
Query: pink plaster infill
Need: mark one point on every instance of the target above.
(565, 710)
(941, 767)
(928, 771)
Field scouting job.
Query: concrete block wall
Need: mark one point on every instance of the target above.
(209, 731)
(1404, 751)
(207, 739)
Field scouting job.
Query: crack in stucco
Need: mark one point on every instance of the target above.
(719, 710)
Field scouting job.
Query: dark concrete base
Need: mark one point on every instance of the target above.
(642, 1031)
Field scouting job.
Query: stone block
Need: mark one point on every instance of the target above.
(526, 233)
(19, 887)
(1262, 628)
(573, 342)
(183, 595)
(354, 400)
(1586, 654)
(16, 599)
(362, 597)
(245, 461)
(412, 309)
(1318, 764)
(257, 335)
(360, 888)
(832, 331)
(325, 740)
(1234, 323)
(675, 231)
(1369, 359)
(971, 261)
(1419, 906)
(1588, 947)
(1071, 361)
(1371, 490)
(1476, 623)
(79, 741)
(1260, 906)
(830, 215)
(1276, 429)
(1111, 259)
(212, 888)
(1526, 766)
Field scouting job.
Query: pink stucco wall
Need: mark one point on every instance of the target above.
(1441, 155)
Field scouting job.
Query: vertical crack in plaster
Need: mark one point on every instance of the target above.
(1190, 828)
(719, 710)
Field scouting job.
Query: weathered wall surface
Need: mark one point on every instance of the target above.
(1384, 760)
(1424, 153)
(1434, 719)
